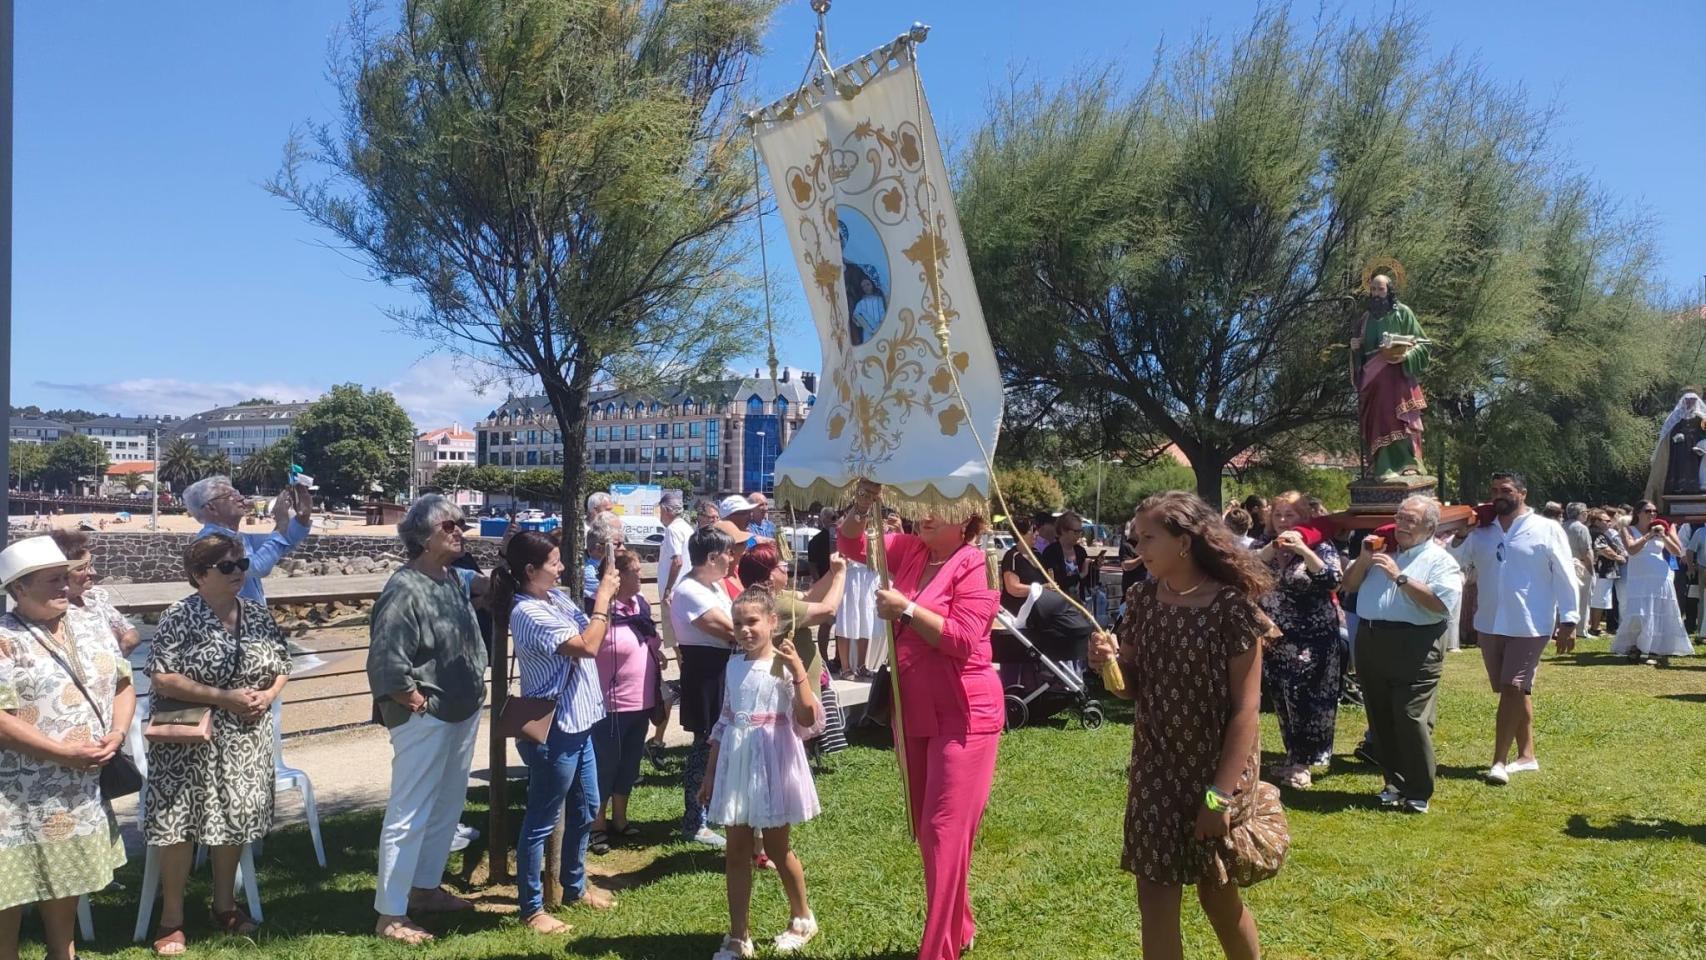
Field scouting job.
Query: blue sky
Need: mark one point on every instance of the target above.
(152, 273)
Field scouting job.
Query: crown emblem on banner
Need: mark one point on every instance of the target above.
(842, 162)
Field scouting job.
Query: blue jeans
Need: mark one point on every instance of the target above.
(621, 742)
(565, 766)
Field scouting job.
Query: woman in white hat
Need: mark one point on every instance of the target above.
(65, 703)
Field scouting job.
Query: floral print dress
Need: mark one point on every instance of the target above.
(1175, 659)
(58, 837)
(218, 793)
(1302, 671)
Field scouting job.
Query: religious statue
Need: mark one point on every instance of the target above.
(1388, 353)
(1678, 464)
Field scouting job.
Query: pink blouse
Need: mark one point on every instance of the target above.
(953, 688)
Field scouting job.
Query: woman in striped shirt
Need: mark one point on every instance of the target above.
(555, 644)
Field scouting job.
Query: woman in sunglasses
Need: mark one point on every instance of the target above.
(426, 665)
(216, 649)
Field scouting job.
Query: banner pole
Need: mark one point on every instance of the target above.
(879, 555)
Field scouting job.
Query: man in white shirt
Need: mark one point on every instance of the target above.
(672, 553)
(1526, 594)
(1694, 554)
(1406, 593)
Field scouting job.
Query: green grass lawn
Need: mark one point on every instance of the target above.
(1602, 854)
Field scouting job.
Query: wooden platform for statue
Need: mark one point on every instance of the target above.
(1383, 497)
(1683, 506)
(1452, 518)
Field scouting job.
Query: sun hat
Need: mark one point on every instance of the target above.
(28, 556)
(732, 505)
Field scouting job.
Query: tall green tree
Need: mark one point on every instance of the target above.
(180, 464)
(26, 461)
(1175, 263)
(353, 439)
(74, 459)
(560, 182)
(455, 477)
(267, 470)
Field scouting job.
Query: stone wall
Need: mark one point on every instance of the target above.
(159, 557)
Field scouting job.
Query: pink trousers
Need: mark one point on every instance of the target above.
(949, 778)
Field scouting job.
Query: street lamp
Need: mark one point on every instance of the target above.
(1096, 521)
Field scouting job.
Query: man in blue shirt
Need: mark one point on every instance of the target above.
(221, 509)
(760, 523)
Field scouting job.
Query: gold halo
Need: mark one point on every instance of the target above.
(1387, 265)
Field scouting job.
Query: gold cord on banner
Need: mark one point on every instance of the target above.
(1112, 676)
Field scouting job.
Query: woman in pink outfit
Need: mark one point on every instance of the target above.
(950, 701)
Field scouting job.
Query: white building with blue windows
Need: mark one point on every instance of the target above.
(722, 435)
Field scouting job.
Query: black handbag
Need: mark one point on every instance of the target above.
(119, 777)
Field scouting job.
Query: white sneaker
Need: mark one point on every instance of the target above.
(464, 836)
(1415, 806)
(709, 838)
(799, 933)
(1390, 797)
(733, 949)
(1499, 775)
(1523, 766)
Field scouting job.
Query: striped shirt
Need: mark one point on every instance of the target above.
(539, 628)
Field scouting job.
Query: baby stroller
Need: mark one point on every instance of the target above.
(1031, 645)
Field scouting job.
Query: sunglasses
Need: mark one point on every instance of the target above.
(450, 526)
(228, 567)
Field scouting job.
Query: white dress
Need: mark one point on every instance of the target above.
(856, 618)
(763, 776)
(1651, 620)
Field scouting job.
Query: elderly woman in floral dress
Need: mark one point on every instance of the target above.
(65, 703)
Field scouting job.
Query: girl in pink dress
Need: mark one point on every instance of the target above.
(758, 778)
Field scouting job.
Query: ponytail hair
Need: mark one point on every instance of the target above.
(756, 595)
(528, 548)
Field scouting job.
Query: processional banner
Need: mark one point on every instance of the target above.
(862, 190)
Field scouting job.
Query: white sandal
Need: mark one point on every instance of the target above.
(800, 932)
(733, 949)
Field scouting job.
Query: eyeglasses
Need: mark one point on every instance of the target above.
(228, 567)
(1499, 552)
(450, 526)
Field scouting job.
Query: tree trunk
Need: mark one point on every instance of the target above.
(1208, 468)
(568, 405)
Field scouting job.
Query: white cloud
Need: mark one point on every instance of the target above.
(436, 391)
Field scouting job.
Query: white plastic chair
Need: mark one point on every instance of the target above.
(246, 884)
(290, 778)
(85, 922)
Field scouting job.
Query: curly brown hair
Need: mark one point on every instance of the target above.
(1213, 548)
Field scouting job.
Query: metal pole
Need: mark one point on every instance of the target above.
(6, 89)
(1096, 521)
(154, 488)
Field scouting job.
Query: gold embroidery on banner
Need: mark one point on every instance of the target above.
(876, 387)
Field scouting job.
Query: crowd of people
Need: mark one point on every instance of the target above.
(1221, 612)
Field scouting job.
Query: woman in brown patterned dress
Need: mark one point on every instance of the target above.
(1189, 645)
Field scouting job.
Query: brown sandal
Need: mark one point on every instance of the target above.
(166, 937)
(234, 921)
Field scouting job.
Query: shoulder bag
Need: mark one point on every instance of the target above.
(179, 721)
(526, 718)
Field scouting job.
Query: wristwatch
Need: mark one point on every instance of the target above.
(1403, 578)
(906, 615)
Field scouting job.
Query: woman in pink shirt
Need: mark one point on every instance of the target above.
(950, 701)
(628, 671)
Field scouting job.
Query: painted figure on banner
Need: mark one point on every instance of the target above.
(1678, 463)
(1389, 354)
(865, 272)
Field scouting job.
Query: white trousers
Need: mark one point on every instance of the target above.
(429, 785)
